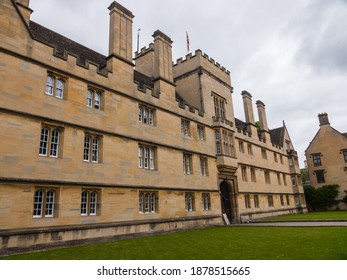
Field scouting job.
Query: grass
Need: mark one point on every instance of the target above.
(216, 243)
(333, 215)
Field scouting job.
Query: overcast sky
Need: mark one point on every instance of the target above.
(290, 54)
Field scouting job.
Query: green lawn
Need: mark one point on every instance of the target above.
(333, 215)
(216, 243)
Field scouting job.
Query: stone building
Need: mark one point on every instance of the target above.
(326, 157)
(100, 146)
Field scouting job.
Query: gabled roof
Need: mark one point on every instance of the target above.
(63, 45)
(277, 136)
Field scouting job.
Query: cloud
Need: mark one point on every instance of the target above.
(323, 37)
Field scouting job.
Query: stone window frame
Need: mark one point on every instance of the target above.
(90, 202)
(92, 149)
(45, 202)
(146, 115)
(206, 201)
(148, 202)
(95, 98)
(57, 87)
(147, 157)
(189, 201)
(51, 140)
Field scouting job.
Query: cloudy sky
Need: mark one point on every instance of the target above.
(290, 54)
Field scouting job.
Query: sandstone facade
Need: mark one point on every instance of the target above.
(101, 147)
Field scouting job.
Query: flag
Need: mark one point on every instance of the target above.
(187, 42)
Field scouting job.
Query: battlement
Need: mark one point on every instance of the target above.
(199, 53)
(144, 50)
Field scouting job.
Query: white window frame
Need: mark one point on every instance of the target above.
(146, 115)
(55, 86)
(92, 148)
(94, 98)
(146, 157)
(44, 200)
(49, 141)
(89, 203)
(148, 202)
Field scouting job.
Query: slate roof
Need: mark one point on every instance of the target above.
(240, 124)
(277, 136)
(143, 80)
(63, 45)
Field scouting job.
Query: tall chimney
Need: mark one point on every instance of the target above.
(323, 119)
(163, 72)
(249, 115)
(262, 120)
(120, 39)
(162, 56)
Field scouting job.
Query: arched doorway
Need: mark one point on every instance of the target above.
(225, 190)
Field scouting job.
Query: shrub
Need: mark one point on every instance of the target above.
(319, 199)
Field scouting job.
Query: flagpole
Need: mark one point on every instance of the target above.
(138, 40)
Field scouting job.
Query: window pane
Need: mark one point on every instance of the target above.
(151, 158)
(90, 98)
(86, 152)
(59, 89)
(145, 115)
(84, 204)
(218, 145)
(44, 141)
(95, 150)
(49, 204)
(97, 100)
(147, 197)
(140, 157)
(38, 203)
(93, 203)
(54, 143)
(151, 118)
(140, 114)
(49, 85)
(153, 199)
(145, 161)
(141, 202)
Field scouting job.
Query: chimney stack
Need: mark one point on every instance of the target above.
(249, 115)
(120, 38)
(262, 120)
(323, 119)
(163, 72)
(162, 56)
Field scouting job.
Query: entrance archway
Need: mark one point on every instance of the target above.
(226, 201)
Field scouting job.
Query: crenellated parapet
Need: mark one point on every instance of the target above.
(199, 54)
(144, 50)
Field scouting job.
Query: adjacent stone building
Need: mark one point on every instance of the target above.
(327, 157)
(96, 147)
